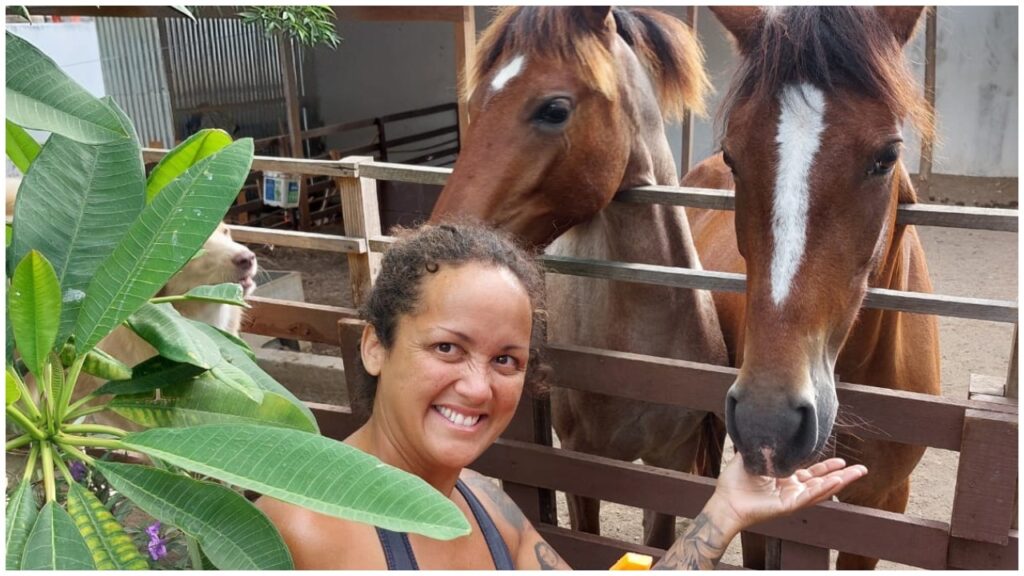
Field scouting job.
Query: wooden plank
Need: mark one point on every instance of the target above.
(350, 333)
(419, 112)
(907, 417)
(294, 320)
(917, 302)
(432, 156)
(292, 165)
(422, 136)
(405, 173)
(465, 61)
(797, 556)
(585, 551)
(986, 479)
(295, 239)
(834, 525)
(362, 220)
(334, 421)
(967, 554)
(924, 171)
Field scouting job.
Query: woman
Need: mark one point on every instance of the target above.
(453, 325)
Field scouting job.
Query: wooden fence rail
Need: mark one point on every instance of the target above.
(978, 534)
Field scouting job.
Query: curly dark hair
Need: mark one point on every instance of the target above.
(423, 250)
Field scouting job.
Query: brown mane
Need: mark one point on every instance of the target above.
(664, 45)
(830, 47)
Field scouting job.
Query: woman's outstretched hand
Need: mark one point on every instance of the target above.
(754, 499)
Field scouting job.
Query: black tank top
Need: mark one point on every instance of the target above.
(398, 551)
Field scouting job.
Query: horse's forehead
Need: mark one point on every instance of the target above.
(509, 70)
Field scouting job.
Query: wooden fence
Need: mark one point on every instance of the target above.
(980, 534)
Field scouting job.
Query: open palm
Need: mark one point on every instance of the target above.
(754, 499)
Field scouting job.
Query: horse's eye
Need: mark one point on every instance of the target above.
(728, 160)
(554, 112)
(885, 160)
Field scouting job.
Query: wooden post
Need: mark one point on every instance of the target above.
(1011, 370)
(292, 107)
(986, 479)
(924, 171)
(797, 556)
(686, 149)
(465, 60)
(362, 218)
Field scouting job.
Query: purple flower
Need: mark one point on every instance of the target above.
(157, 545)
(78, 471)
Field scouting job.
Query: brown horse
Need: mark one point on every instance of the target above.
(565, 113)
(812, 147)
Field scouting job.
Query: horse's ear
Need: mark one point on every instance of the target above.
(740, 21)
(902, 20)
(598, 18)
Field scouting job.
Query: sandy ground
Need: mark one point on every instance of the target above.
(962, 263)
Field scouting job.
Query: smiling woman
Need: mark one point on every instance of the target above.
(453, 330)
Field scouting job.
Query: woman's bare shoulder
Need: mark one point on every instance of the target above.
(321, 542)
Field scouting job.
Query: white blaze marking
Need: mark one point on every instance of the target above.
(801, 122)
(510, 71)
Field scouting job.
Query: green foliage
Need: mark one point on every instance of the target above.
(111, 547)
(310, 25)
(87, 254)
(22, 511)
(232, 533)
(312, 471)
(22, 149)
(55, 543)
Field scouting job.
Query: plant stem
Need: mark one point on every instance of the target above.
(51, 404)
(78, 404)
(76, 453)
(94, 429)
(107, 443)
(30, 465)
(48, 480)
(26, 424)
(18, 442)
(69, 386)
(76, 412)
(163, 299)
(61, 465)
(193, 552)
(33, 410)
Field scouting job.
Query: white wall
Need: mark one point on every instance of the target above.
(74, 46)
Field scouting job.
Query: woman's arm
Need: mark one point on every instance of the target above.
(742, 500)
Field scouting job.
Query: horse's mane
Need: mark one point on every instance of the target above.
(666, 47)
(829, 47)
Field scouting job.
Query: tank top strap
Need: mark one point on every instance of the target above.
(397, 550)
(495, 543)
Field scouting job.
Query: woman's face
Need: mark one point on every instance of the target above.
(452, 379)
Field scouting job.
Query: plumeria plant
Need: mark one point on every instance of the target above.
(93, 240)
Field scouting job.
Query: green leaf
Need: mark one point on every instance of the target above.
(41, 96)
(34, 301)
(184, 156)
(228, 293)
(22, 149)
(148, 375)
(75, 205)
(21, 516)
(310, 471)
(112, 548)
(56, 377)
(55, 544)
(207, 400)
(162, 239)
(231, 531)
(13, 393)
(178, 339)
(173, 336)
(241, 356)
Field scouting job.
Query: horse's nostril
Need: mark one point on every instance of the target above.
(807, 433)
(730, 417)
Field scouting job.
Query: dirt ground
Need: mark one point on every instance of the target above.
(962, 263)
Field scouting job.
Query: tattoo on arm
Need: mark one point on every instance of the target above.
(547, 558)
(509, 510)
(699, 549)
